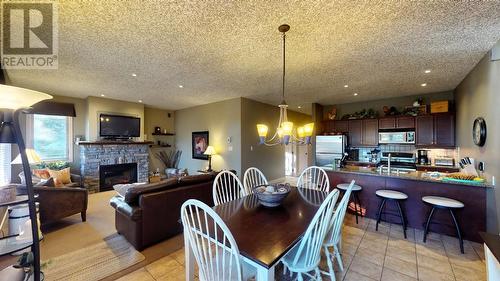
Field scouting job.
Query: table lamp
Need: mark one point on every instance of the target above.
(13, 102)
(209, 152)
(33, 158)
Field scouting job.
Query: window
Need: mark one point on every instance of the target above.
(51, 136)
(5, 163)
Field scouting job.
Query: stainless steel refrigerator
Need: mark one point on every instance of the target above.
(329, 149)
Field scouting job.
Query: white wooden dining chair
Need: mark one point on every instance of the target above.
(227, 187)
(334, 236)
(305, 256)
(253, 177)
(314, 177)
(212, 244)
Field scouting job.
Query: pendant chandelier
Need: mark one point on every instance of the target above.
(285, 132)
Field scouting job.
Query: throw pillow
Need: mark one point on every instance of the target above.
(61, 177)
(49, 182)
(41, 173)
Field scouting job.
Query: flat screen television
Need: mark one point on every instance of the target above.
(119, 127)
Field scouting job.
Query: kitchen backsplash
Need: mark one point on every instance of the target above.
(364, 152)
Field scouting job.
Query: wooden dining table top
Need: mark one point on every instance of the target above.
(265, 234)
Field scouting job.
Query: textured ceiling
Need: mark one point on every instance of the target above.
(224, 49)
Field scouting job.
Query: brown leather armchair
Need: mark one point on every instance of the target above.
(60, 202)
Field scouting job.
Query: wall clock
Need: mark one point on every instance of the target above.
(479, 131)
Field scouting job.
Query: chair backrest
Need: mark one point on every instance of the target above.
(213, 245)
(227, 187)
(253, 177)
(309, 251)
(314, 177)
(334, 233)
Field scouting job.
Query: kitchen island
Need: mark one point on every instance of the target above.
(472, 218)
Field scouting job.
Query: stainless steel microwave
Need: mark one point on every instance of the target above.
(406, 137)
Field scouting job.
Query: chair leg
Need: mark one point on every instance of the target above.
(318, 274)
(403, 220)
(379, 215)
(329, 261)
(299, 276)
(353, 196)
(458, 231)
(359, 203)
(427, 224)
(284, 269)
(84, 216)
(339, 257)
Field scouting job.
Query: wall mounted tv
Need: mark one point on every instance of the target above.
(119, 127)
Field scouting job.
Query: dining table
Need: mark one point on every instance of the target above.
(265, 234)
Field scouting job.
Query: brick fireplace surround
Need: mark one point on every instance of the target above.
(95, 154)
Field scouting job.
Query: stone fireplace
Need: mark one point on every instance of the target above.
(106, 163)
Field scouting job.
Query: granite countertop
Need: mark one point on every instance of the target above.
(418, 175)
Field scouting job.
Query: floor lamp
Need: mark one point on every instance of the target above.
(15, 101)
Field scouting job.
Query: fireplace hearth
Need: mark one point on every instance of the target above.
(110, 175)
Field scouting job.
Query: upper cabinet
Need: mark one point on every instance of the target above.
(370, 132)
(363, 132)
(400, 122)
(335, 126)
(437, 130)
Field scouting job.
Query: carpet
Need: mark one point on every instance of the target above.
(94, 262)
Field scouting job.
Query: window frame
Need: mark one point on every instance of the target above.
(30, 121)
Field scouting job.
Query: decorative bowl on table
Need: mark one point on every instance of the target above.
(272, 195)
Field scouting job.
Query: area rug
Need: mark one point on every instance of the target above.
(94, 262)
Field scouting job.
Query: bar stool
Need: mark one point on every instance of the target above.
(449, 204)
(354, 195)
(395, 196)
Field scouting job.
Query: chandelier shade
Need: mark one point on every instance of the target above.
(285, 131)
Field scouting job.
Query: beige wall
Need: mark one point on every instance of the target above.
(478, 95)
(96, 106)
(222, 120)
(270, 160)
(377, 105)
(154, 117)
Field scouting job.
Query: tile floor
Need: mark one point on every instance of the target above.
(370, 255)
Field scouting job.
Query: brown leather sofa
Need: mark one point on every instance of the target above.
(150, 213)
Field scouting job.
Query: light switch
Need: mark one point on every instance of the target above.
(230, 148)
(251, 148)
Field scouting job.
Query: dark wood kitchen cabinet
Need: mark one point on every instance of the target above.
(355, 133)
(335, 126)
(436, 130)
(401, 122)
(363, 132)
(341, 126)
(370, 132)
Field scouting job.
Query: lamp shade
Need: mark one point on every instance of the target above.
(262, 130)
(287, 128)
(210, 150)
(16, 97)
(33, 157)
(308, 129)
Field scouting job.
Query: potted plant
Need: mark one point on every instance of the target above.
(171, 161)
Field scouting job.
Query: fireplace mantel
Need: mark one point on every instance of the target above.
(114, 142)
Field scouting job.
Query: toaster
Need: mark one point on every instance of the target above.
(444, 161)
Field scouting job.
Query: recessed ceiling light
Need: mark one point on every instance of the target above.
(355, 94)
(181, 86)
(102, 95)
(423, 84)
(134, 75)
(346, 86)
(427, 71)
(299, 107)
(140, 101)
